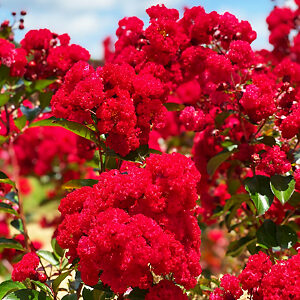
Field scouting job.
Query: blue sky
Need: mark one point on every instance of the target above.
(88, 22)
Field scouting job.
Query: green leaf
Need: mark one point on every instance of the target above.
(48, 256)
(266, 234)
(4, 98)
(57, 249)
(235, 248)
(74, 127)
(78, 183)
(220, 118)
(27, 294)
(58, 280)
(17, 223)
(286, 236)
(10, 286)
(260, 192)
(174, 106)
(20, 122)
(4, 179)
(282, 187)
(44, 287)
(4, 74)
(39, 85)
(9, 243)
(8, 209)
(214, 163)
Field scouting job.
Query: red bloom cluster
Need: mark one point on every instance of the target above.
(134, 222)
(26, 268)
(274, 161)
(52, 55)
(263, 280)
(13, 58)
(40, 149)
(230, 289)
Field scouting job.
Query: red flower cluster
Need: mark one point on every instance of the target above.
(134, 222)
(52, 55)
(26, 268)
(263, 280)
(13, 58)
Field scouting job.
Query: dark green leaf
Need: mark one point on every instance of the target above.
(214, 163)
(174, 106)
(45, 99)
(282, 187)
(266, 234)
(295, 199)
(20, 122)
(286, 236)
(48, 256)
(4, 74)
(17, 223)
(237, 247)
(74, 127)
(220, 118)
(267, 140)
(58, 280)
(27, 294)
(8, 209)
(10, 286)
(137, 294)
(260, 192)
(9, 243)
(69, 297)
(38, 85)
(44, 287)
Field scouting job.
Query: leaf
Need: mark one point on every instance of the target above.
(174, 106)
(48, 256)
(286, 236)
(4, 98)
(267, 140)
(10, 286)
(220, 118)
(235, 248)
(45, 99)
(137, 294)
(20, 122)
(4, 179)
(69, 297)
(58, 280)
(17, 223)
(27, 294)
(8, 209)
(74, 127)
(30, 113)
(295, 199)
(78, 183)
(44, 287)
(266, 234)
(57, 249)
(260, 192)
(271, 235)
(214, 163)
(11, 244)
(39, 85)
(282, 187)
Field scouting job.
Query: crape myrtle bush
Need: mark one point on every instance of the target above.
(184, 137)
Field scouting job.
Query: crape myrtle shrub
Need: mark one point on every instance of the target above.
(184, 127)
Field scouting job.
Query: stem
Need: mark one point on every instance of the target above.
(262, 124)
(79, 290)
